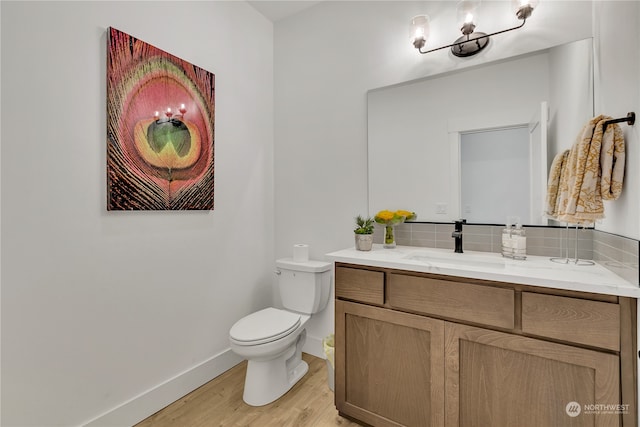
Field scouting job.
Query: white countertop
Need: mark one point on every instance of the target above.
(535, 270)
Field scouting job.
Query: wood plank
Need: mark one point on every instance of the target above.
(391, 370)
(499, 379)
(572, 320)
(219, 403)
(486, 305)
(628, 360)
(360, 285)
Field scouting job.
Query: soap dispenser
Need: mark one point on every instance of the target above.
(514, 240)
(519, 242)
(507, 248)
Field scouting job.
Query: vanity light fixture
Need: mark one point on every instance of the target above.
(471, 42)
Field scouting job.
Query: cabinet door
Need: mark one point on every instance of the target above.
(498, 379)
(389, 366)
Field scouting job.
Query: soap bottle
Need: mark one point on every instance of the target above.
(519, 242)
(507, 247)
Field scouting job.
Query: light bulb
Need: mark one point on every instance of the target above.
(467, 16)
(419, 31)
(468, 19)
(524, 8)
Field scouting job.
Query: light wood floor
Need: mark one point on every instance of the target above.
(219, 403)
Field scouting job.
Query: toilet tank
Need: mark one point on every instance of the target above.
(304, 286)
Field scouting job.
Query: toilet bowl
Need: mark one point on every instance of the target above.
(272, 339)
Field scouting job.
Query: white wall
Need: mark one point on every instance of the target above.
(326, 59)
(617, 90)
(100, 307)
(571, 94)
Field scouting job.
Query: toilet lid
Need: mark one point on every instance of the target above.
(264, 326)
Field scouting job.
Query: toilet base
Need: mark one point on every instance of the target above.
(268, 380)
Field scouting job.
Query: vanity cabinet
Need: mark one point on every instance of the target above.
(500, 379)
(392, 369)
(418, 349)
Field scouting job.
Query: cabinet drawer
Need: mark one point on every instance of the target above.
(485, 305)
(574, 320)
(360, 285)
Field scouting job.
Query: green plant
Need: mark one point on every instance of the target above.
(365, 225)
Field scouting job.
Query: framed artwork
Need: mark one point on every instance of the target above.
(160, 129)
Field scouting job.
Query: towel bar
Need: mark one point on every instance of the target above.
(630, 119)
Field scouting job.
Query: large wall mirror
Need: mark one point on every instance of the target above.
(477, 143)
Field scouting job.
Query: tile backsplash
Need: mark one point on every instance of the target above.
(617, 253)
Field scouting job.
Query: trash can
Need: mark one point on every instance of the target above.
(329, 351)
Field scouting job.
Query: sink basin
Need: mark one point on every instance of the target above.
(440, 258)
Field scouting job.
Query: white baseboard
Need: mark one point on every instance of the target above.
(313, 346)
(151, 401)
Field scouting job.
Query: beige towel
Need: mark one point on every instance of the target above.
(594, 171)
(612, 159)
(555, 176)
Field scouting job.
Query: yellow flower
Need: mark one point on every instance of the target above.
(393, 218)
(406, 214)
(385, 215)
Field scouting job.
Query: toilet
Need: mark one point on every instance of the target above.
(271, 339)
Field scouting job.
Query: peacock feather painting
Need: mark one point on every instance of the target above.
(160, 129)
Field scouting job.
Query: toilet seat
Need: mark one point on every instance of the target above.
(267, 325)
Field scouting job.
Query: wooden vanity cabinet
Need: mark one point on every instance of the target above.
(414, 352)
(391, 366)
(500, 379)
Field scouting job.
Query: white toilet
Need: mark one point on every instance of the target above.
(272, 339)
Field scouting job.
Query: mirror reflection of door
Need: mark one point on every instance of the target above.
(503, 171)
(538, 147)
(495, 175)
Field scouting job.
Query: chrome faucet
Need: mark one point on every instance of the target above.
(457, 234)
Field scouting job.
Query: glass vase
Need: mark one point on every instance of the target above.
(389, 240)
